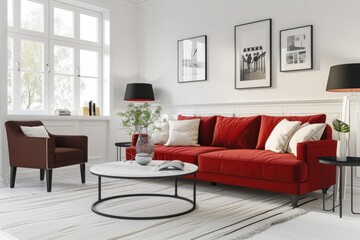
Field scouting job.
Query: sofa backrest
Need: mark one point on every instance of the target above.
(206, 128)
(236, 132)
(268, 123)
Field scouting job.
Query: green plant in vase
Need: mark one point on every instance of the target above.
(139, 117)
(342, 145)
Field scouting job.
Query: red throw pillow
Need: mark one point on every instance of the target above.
(236, 132)
(206, 128)
(268, 123)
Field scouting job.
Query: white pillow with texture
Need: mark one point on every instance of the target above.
(38, 131)
(280, 136)
(310, 132)
(183, 133)
(161, 135)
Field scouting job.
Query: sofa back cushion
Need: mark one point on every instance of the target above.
(268, 123)
(236, 132)
(206, 128)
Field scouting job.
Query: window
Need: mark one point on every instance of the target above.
(54, 57)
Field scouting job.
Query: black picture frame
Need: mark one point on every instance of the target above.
(253, 54)
(296, 48)
(192, 59)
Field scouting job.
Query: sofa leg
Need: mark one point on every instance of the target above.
(48, 179)
(82, 172)
(324, 190)
(294, 199)
(12, 177)
(213, 183)
(42, 174)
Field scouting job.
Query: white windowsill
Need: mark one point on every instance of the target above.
(58, 118)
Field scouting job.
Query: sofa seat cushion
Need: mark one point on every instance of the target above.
(186, 154)
(67, 154)
(260, 164)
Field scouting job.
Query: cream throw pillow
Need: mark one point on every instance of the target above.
(161, 135)
(183, 133)
(310, 132)
(279, 138)
(38, 131)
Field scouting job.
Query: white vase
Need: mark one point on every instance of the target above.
(341, 150)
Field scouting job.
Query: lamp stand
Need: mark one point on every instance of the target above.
(345, 117)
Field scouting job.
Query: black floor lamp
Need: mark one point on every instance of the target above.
(345, 78)
(139, 92)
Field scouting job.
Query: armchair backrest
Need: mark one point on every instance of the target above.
(13, 127)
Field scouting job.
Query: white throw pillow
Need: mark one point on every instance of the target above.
(183, 133)
(38, 131)
(310, 132)
(280, 136)
(161, 135)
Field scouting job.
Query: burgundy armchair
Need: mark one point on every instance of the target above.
(44, 153)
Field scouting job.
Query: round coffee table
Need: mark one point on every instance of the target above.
(132, 170)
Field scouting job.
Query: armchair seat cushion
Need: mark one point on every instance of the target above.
(258, 164)
(68, 154)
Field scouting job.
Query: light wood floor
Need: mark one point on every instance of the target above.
(316, 224)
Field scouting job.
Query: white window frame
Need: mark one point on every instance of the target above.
(17, 75)
(49, 39)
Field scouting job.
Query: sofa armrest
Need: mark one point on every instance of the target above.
(309, 152)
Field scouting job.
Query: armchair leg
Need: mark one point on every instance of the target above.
(48, 179)
(82, 172)
(12, 177)
(42, 174)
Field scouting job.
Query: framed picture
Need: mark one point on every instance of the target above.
(253, 54)
(296, 51)
(192, 63)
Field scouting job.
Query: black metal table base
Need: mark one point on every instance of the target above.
(175, 196)
(340, 193)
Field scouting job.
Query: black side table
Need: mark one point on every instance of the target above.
(350, 162)
(119, 145)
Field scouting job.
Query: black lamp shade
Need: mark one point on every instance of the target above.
(344, 78)
(139, 92)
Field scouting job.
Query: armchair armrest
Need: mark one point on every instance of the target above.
(31, 152)
(71, 141)
(309, 152)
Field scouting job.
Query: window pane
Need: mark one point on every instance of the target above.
(31, 91)
(89, 90)
(32, 15)
(10, 12)
(32, 55)
(63, 60)
(89, 63)
(89, 28)
(63, 22)
(10, 55)
(10, 77)
(63, 92)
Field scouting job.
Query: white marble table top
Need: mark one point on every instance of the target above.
(130, 169)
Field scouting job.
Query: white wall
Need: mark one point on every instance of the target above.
(163, 22)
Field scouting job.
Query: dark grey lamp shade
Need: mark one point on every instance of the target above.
(344, 78)
(139, 92)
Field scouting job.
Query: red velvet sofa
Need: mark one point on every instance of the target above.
(232, 152)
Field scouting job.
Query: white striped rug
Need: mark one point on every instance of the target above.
(223, 212)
